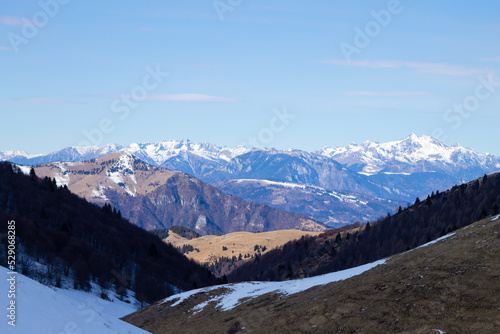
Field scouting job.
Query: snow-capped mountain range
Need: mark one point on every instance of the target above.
(391, 174)
(413, 154)
(410, 155)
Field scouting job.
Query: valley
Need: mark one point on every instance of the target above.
(450, 285)
(233, 167)
(335, 209)
(243, 245)
(427, 266)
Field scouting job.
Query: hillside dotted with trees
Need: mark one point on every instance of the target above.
(426, 220)
(80, 242)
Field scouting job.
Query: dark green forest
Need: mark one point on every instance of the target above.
(426, 220)
(82, 243)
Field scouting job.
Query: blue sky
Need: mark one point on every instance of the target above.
(76, 72)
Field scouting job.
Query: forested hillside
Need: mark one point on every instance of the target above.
(422, 222)
(80, 242)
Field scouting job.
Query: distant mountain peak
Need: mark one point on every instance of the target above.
(409, 155)
(413, 136)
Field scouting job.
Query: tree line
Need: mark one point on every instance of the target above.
(425, 220)
(81, 242)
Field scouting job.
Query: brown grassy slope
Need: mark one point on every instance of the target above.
(237, 243)
(452, 285)
(90, 177)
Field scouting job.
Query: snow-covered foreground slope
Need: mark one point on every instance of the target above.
(235, 293)
(40, 309)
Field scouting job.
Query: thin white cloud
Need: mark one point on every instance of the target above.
(5, 48)
(198, 98)
(433, 68)
(44, 100)
(382, 94)
(12, 20)
(191, 98)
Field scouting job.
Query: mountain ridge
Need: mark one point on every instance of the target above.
(388, 175)
(205, 149)
(154, 197)
(411, 150)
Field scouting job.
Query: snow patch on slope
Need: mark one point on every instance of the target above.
(250, 290)
(306, 189)
(41, 309)
(236, 294)
(121, 171)
(274, 183)
(99, 193)
(25, 169)
(437, 240)
(62, 178)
